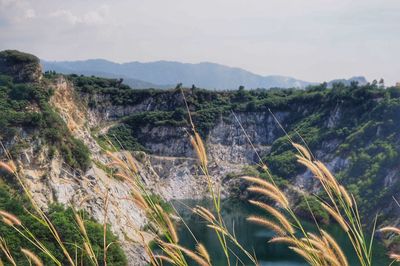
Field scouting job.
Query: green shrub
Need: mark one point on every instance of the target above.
(26, 106)
(63, 220)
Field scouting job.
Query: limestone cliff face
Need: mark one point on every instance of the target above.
(169, 169)
(172, 177)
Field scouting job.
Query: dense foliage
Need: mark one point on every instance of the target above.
(29, 121)
(25, 108)
(63, 219)
(22, 67)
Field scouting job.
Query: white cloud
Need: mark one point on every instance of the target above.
(30, 13)
(16, 11)
(93, 17)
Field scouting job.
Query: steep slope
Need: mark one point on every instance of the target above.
(49, 159)
(49, 130)
(55, 127)
(353, 129)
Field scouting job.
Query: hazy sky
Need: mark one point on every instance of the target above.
(307, 39)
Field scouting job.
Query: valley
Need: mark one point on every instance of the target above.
(59, 128)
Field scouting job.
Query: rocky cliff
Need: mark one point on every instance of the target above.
(353, 129)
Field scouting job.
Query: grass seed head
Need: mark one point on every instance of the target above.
(302, 150)
(276, 214)
(395, 257)
(267, 223)
(336, 216)
(201, 249)
(11, 169)
(277, 196)
(189, 253)
(35, 259)
(346, 196)
(11, 218)
(335, 246)
(390, 229)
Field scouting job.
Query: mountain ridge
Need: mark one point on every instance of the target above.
(164, 73)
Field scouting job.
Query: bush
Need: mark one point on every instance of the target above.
(63, 220)
(26, 106)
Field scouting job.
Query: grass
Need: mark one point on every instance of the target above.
(319, 249)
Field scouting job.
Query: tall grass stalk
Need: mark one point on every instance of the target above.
(341, 205)
(217, 223)
(318, 249)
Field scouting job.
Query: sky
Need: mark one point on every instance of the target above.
(313, 40)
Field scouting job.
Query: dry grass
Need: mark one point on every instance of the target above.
(32, 257)
(319, 249)
(6, 251)
(316, 250)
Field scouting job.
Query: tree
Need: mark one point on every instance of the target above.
(381, 83)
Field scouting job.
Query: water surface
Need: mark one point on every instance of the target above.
(254, 237)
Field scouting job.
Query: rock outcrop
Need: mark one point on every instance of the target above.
(21, 66)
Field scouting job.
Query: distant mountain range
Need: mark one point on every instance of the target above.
(166, 74)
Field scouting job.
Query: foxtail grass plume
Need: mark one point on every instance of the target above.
(32, 257)
(170, 225)
(390, 229)
(336, 216)
(8, 167)
(267, 223)
(272, 188)
(395, 257)
(314, 169)
(205, 213)
(284, 239)
(8, 222)
(117, 161)
(218, 228)
(164, 258)
(314, 243)
(201, 249)
(199, 148)
(278, 197)
(6, 251)
(303, 151)
(302, 253)
(335, 246)
(331, 179)
(11, 218)
(201, 261)
(88, 249)
(131, 162)
(346, 196)
(332, 260)
(276, 214)
(81, 224)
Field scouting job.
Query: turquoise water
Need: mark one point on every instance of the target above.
(254, 237)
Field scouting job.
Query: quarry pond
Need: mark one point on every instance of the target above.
(253, 237)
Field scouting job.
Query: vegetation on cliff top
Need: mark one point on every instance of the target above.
(369, 138)
(25, 108)
(28, 120)
(359, 124)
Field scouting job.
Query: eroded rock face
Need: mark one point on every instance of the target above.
(170, 170)
(21, 66)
